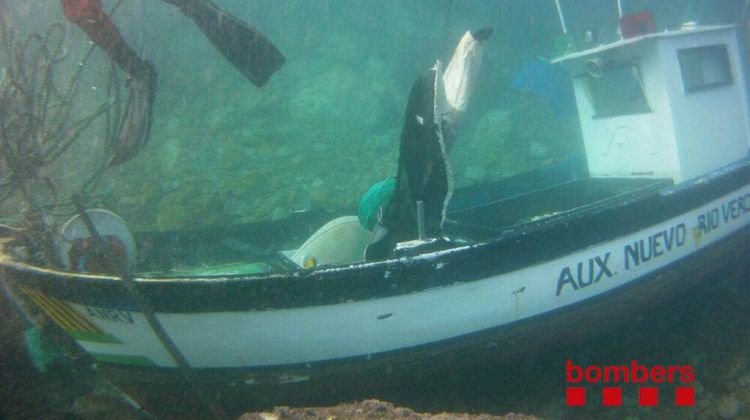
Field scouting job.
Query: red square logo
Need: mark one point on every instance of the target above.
(684, 396)
(575, 396)
(611, 396)
(648, 396)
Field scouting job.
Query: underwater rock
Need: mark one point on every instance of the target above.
(344, 50)
(486, 146)
(695, 358)
(321, 195)
(16, 370)
(699, 388)
(494, 127)
(282, 199)
(735, 365)
(279, 213)
(629, 401)
(336, 99)
(172, 125)
(320, 147)
(249, 179)
(283, 151)
(169, 153)
(539, 150)
(218, 116)
(170, 185)
(743, 394)
(43, 352)
(728, 407)
(190, 207)
(127, 201)
(371, 409)
(474, 173)
(247, 132)
(95, 406)
(382, 144)
(297, 159)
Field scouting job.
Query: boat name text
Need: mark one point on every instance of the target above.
(725, 213)
(592, 269)
(587, 272)
(654, 246)
(113, 315)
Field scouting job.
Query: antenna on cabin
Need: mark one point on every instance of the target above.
(563, 43)
(693, 12)
(619, 19)
(561, 16)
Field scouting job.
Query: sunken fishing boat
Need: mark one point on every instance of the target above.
(661, 199)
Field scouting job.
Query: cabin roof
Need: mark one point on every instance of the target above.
(635, 40)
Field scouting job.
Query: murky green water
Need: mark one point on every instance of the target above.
(223, 151)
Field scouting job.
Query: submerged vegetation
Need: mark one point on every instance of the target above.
(324, 129)
(222, 152)
(328, 124)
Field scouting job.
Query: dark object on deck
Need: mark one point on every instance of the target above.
(251, 52)
(423, 173)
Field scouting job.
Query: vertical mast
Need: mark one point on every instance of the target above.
(561, 16)
(619, 19)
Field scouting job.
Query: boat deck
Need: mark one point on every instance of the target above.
(488, 220)
(477, 213)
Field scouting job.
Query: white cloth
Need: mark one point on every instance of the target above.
(461, 73)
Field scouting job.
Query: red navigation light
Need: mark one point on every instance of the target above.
(637, 24)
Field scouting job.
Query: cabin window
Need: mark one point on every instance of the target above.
(704, 67)
(617, 91)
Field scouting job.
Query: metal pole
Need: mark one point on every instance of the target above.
(420, 220)
(744, 36)
(129, 282)
(619, 7)
(561, 16)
